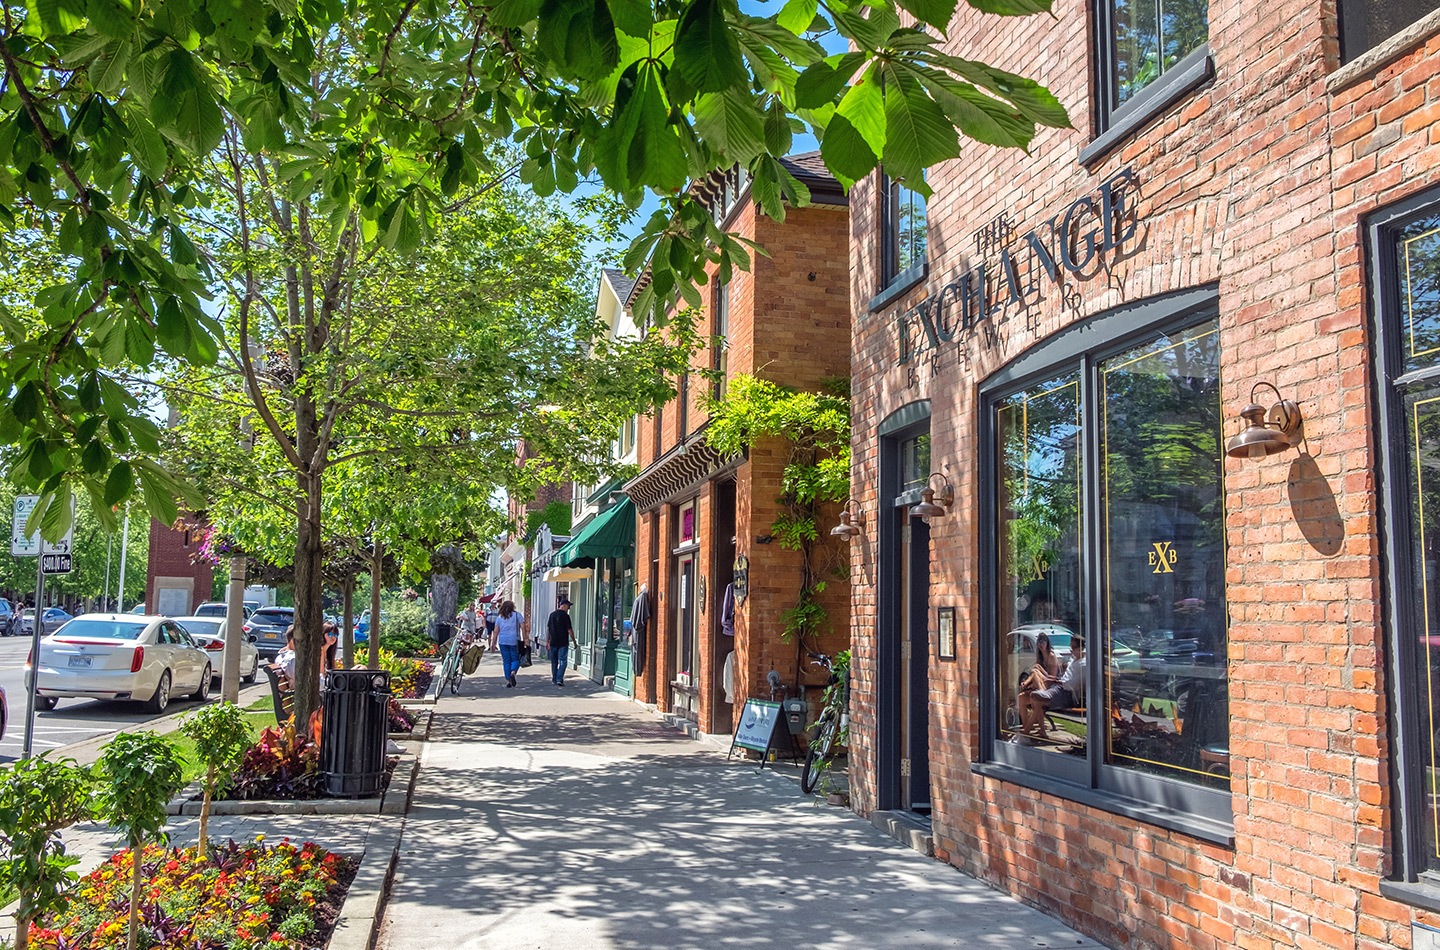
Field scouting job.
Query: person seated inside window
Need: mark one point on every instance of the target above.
(1062, 692)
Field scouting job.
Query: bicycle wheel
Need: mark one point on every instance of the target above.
(817, 757)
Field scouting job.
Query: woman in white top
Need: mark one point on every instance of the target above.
(510, 634)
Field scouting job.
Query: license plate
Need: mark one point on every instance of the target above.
(82, 661)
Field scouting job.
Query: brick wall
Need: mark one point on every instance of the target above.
(789, 322)
(170, 556)
(1257, 183)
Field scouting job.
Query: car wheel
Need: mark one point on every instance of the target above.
(202, 692)
(46, 702)
(161, 699)
(249, 678)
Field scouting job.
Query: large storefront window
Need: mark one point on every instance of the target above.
(1109, 597)
(1408, 324)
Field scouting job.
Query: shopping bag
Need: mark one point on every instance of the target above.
(471, 659)
(525, 656)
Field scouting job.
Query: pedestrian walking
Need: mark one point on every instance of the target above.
(511, 633)
(467, 621)
(562, 634)
(490, 614)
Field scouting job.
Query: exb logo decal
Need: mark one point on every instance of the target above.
(1163, 557)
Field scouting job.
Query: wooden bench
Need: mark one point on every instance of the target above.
(280, 693)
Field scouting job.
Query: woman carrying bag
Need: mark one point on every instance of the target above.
(511, 634)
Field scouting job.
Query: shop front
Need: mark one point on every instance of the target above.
(598, 560)
(1144, 451)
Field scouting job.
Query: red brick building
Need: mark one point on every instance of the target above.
(1060, 346)
(700, 515)
(175, 582)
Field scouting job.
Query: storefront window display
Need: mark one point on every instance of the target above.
(1409, 324)
(1109, 601)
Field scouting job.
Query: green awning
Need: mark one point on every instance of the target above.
(611, 534)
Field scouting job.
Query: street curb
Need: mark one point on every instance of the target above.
(360, 915)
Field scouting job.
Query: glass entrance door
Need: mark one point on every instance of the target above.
(684, 694)
(914, 564)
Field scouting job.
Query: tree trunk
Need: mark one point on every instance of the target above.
(204, 841)
(136, 852)
(22, 931)
(347, 621)
(444, 587)
(309, 617)
(377, 569)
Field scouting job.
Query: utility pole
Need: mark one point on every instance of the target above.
(105, 595)
(234, 618)
(124, 544)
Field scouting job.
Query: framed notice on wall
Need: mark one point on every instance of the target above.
(945, 628)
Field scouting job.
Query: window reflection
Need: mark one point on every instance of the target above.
(914, 462)
(1420, 291)
(1151, 37)
(1163, 560)
(909, 234)
(1039, 598)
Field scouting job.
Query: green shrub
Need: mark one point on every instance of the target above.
(39, 797)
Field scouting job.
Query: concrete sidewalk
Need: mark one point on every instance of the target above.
(572, 818)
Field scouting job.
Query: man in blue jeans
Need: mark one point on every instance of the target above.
(561, 634)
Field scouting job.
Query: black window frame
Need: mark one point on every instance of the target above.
(1169, 803)
(1113, 125)
(1405, 659)
(894, 282)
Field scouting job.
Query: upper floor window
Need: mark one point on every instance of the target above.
(1406, 250)
(721, 342)
(1368, 23)
(905, 233)
(1141, 42)
(727, 192)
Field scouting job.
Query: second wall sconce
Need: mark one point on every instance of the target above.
(1266, 432)
(852, 521)
(934, 501)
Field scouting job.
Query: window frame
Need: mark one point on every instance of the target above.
(1113, 125)
(894, 282)
(720, 339)
(1404, 658)
(1158, 800)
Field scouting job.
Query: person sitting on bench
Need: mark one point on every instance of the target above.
(1063, 692)
(285, 659)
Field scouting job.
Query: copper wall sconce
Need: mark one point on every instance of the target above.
(852, 521)
(934, 501)
(1266, 432)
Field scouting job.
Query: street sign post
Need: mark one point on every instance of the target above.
(54, 557)
(22, 544)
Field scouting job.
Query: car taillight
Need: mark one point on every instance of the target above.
(215, 646)
(245, 627)
(30, 660)
(138, 659)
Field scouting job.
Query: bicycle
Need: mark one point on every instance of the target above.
(833, 726)
(452, 672)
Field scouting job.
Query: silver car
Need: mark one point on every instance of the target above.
(121, 656)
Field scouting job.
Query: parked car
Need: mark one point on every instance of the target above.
(216, 608)
(139, 609)
(268, 624)
(251, 606)
(7, 618)
(55, 618)
(209, 633)
(4, 712)
(124, 657)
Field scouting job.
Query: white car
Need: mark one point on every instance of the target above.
(209, 633)
(122, 656)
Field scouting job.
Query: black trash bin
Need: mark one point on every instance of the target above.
(353, 729)
(443, 632)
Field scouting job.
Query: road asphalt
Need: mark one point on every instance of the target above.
(548, 817)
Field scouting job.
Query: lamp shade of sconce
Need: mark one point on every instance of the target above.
(934, 501)
(1266, 431)
(852, 521)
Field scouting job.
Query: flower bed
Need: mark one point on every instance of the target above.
(241, 897)
(409, 679)
(401, 719)
(283, 763)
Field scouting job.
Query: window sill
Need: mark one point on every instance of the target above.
(1206, 829)
(1384, 53)
(1422, 894)
(1191, 73)
(899, 285)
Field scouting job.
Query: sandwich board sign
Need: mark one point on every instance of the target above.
(760, 722)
